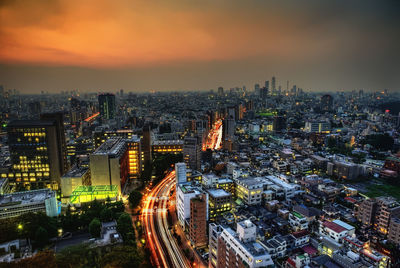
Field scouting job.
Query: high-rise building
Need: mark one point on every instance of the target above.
(273, 85)
(109, 164)
(61, 143)
(146, 145)
(326, 103)
(257, 89)
(394, 230)
(180, 173)
(135, 157)
(185, 192)
(107, 106)
(37, 154)
(192, 152)
(198, 221)
(221, 91)
(378, 213)
(236, 249)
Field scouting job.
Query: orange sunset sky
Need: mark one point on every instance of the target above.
(92, 45)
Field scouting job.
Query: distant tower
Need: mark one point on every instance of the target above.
(221, 91)
(257, 89)
(326, 102)
(107, 106)
(273, 84)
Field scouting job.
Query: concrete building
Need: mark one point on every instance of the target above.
(16, 204)
(198, 221)
(394, 230)
(297, 221)
(180, 173)
(192, 152)
(185, 192)
(219, 202)
(230, 249)
(378, 212)
(37, 154)
(107, 106)
(249, 190)
(317, 127)
(75, 177)
(109, 163)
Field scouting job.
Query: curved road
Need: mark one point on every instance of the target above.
(164, 249)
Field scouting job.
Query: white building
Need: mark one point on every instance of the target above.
(290, 189)
(318, 127)
(297, 221)
(230, 249)
(249, 190)
(336, 230)
(180, 173)
(15, 204)
(185, 192)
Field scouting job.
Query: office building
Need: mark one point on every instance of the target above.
(236, 249)
(198, 221)
(37, 155)
(100, 135)
(75, 177)
(219, 202)
(184, 193)
(220, 91)
(249, 190)
(109, 164)
(326, 103)
(16, 204)
(317, 127)
(146, 145)
(180, 173)
(192, 152)
(107, 106)
(273, 85)
(135, 157)
(166, 147)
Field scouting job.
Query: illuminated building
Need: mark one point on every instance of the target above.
(192, 152)
(75, 177)
(109, 164)
(219, 202)
(16, 204)
(198, 221)
(84, 194)
(394, 230)
(78, 147)
(100, 135)
(135, 157)
(185, 192)
(378, 212)
(146, 145)
(249, 190)
(236, 249)
(4, 186)
(167, 147)
(107, 106)
(317, 127)
(37, 157)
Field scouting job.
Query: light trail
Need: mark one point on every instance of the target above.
(92, 117)
(214, 137)
(160, 241)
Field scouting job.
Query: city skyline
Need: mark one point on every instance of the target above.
(62, 45)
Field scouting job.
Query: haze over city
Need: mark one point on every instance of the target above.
(184, 45)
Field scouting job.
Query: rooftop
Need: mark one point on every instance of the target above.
(218, 193)
(34, 196)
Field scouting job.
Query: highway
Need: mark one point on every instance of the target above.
(163, 247)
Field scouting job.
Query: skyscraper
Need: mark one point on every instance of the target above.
(107, 106)
(198, 221)
(37, 155)
(273, 85)
(257, 89)
(180, 173)
(326, 102)
(192, 152)
(221, 91)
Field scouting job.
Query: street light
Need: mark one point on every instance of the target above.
(20, 227)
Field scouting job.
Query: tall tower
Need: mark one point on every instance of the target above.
(273, 85)
(107, 106)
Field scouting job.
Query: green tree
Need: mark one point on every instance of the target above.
(41, 237)
(131, 257)
(95, 227)
(124, 227)
(134, 198)
(106, 215)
